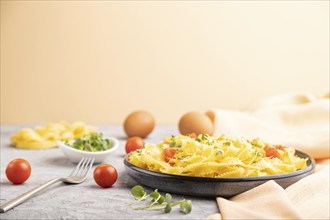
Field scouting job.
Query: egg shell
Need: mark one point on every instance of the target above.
(139, 123)
(195, 122)
(211, 115)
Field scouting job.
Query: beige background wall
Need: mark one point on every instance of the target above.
(98, 61)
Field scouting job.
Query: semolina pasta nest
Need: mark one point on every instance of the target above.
(46, 137)
(208, 156)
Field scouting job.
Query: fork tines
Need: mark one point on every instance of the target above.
(82, 168)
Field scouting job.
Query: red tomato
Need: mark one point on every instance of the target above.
(169, 153)
(134, 143)
(105, 175)
(18, 171)
(272, 152)
(279, 147)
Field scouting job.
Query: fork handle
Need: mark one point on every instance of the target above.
(19, 199)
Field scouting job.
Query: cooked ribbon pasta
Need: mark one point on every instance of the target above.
(208, 156)
(46, 137)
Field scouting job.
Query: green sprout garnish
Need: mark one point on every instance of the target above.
(172, 144)
(158, 202)
(227, 143)
(139, 193)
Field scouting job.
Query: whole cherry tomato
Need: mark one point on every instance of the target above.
(134, 143)
(18, 171)
(105, 175)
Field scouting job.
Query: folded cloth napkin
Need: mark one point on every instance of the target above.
(300, 121)
(295, 120)
(306, 199)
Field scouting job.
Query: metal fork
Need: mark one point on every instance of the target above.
(78, 175)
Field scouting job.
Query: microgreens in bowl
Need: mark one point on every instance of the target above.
(92, 142)
(92, 145)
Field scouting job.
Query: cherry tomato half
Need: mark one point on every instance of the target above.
(105, 175)
(18, 171)
(272, 152)
(169, 153)
(134, 143)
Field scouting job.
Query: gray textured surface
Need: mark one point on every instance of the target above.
(86, 200)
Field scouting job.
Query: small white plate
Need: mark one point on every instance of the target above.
(75, 155)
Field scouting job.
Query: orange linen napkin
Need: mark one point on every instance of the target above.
(300, 121)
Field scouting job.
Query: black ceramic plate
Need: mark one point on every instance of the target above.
(212, 187)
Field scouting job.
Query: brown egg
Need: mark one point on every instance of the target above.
(211, 115)
(139, 123)
(195, 122)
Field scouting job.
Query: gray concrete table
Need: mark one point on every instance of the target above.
(86, 200)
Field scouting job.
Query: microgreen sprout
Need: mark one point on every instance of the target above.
(185, 206)
(227, 143)
(139, 151)
(172, 144)
(204, 138)
(158, 202)
(156, 198)
(139, 193)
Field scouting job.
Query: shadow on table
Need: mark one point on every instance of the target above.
(60, 161)
(5, 183)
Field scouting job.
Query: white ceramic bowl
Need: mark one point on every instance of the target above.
(75, 155)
